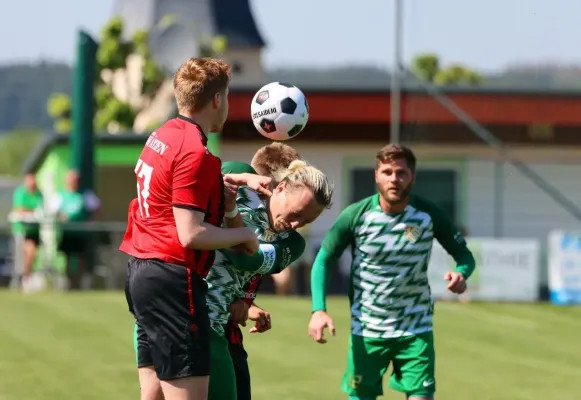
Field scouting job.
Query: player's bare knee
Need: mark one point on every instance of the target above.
(189, 388)
(149, 384)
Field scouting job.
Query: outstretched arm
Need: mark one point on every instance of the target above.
(271, 258)
(334, 244)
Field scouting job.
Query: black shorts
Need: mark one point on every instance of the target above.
(240, 361)
(173, 328)
(73, 244)
(34, 237)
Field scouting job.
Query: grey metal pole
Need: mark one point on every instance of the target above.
(498, 198)
(395, 89)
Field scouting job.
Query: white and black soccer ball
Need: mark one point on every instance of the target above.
(279, 111)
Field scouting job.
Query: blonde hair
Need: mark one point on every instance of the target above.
(273, 157)
(197, 81)
(301, 174)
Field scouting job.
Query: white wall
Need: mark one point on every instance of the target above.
(250, 61)
(526, 210)
(530, 212)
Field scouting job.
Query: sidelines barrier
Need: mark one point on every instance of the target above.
(564, 253)
(506, 270)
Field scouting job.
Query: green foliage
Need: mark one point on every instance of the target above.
(427, 67)
(63, 125)
(103, 94)
(115, 111)
(213, 47)
(113, 50)
(112, 55)
(141, 44)
(153, 76)
(14, 150)
(473, 77)
(113, 29)
(59, 108)
(59, 105)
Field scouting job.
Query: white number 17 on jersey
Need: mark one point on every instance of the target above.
(143, 172)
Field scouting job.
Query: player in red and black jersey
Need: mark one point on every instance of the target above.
(172, 232)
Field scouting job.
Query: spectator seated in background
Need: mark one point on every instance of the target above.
(27, 200)
(72, 207)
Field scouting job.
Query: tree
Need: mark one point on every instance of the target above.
(428, 67)
(129, 84)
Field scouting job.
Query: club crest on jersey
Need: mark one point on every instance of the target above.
(268, 236)
(412, 233)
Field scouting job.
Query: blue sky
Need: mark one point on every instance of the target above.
(487, 35)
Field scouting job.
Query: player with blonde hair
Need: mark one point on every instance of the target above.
(266, 161)
(300, 194)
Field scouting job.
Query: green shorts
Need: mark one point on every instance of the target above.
(413, 359)
(222, 373)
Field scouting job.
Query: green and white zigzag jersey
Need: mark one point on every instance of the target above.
(389, 289)
(226, 284)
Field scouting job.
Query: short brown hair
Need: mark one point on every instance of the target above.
(197, 80)
(273, 157)
(393, 152)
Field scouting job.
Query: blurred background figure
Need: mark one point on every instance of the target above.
(26, 205)
(73, 208)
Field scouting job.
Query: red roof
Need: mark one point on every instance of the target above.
(487, 108)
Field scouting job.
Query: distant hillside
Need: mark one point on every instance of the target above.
(25, 88)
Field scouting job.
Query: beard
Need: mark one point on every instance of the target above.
(395, 197)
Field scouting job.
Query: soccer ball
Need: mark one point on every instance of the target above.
(279, 111)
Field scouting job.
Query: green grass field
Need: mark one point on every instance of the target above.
(78, 346)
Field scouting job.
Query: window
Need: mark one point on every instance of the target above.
(437, 185)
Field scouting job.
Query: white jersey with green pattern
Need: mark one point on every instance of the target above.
(389, 292)
(226, 284)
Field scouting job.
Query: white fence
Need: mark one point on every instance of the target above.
(506, 270)
(564, 261)
(510, 270)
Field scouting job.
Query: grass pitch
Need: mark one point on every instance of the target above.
(78, 346)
